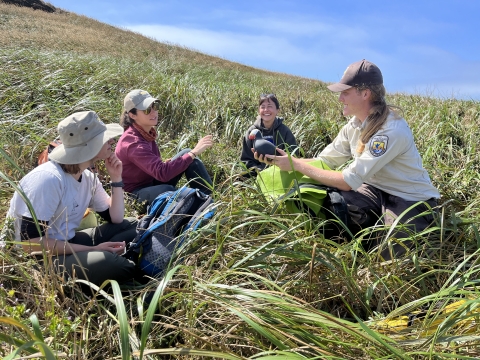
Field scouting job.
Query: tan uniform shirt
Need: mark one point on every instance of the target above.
(390, 160)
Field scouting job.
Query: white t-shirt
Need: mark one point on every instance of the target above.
(390, 160)
(57, 197)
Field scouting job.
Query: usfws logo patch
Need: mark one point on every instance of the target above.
(378, 145)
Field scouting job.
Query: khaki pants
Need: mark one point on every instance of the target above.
(369, 206)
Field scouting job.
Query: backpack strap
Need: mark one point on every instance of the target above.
(138, 246)
(203, 201)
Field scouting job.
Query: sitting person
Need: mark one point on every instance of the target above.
(60, 190)
(386, 176)
(272, 128)
(145, 174)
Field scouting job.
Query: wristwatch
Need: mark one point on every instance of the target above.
(116, 184)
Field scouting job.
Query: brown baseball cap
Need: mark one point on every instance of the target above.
(362, 72)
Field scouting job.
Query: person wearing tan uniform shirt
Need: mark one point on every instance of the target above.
(386, 176)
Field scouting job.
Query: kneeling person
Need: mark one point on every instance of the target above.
(385, 178)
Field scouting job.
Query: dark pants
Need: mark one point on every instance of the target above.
(369, 206)
(196, 175)
(98, 266)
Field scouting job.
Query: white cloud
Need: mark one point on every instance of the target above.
(315, 59)
(226, 44)
(301, 26)
(322, 50)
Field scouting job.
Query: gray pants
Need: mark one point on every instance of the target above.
(369, 206)
(98, 266)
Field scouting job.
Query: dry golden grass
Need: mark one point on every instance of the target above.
(22, 27)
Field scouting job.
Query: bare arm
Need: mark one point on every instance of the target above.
(117, 205)
(287, 163)
(203, 144)
(58, 247)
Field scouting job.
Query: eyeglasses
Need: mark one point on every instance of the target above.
(155, 106)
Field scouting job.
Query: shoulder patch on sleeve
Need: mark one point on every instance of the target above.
(378, 145)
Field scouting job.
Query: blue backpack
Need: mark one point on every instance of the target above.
(169, 218)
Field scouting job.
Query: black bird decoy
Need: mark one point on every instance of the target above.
(260, 145)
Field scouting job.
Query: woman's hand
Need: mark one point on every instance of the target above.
(283, 161)
(114, 167)
(204, 143)
(113, 247)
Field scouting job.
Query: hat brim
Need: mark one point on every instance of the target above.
(145, 103)
(87, 151)
(338, 87)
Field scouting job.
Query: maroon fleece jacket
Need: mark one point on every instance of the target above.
(142, 162)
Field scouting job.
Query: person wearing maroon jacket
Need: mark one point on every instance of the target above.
(145, 174)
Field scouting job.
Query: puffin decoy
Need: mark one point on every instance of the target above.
(260, 145)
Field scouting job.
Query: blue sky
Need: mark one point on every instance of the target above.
(422, 47)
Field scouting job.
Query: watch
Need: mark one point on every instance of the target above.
(116, 184)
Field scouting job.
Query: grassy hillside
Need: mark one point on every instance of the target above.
(255, 281)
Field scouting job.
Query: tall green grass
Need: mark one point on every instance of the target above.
(255, 282)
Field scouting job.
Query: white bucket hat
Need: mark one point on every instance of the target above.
(82, 134)
(138, 99)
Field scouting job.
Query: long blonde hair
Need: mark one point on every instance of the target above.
(377, 115)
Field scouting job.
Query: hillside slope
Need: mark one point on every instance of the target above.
(66, 31)
(64, 56)
(255, 281)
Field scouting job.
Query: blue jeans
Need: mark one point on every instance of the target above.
(196, 174)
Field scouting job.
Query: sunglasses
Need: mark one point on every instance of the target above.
(155, 106)
(267, 95)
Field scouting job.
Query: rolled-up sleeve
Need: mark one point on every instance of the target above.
(338, 152)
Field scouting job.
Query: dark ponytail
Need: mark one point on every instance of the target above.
(126, 120)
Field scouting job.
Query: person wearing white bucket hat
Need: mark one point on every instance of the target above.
(145, 174)
(60, 191)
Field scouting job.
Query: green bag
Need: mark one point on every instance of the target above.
(299, 192)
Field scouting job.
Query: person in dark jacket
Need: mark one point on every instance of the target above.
(272, 128)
